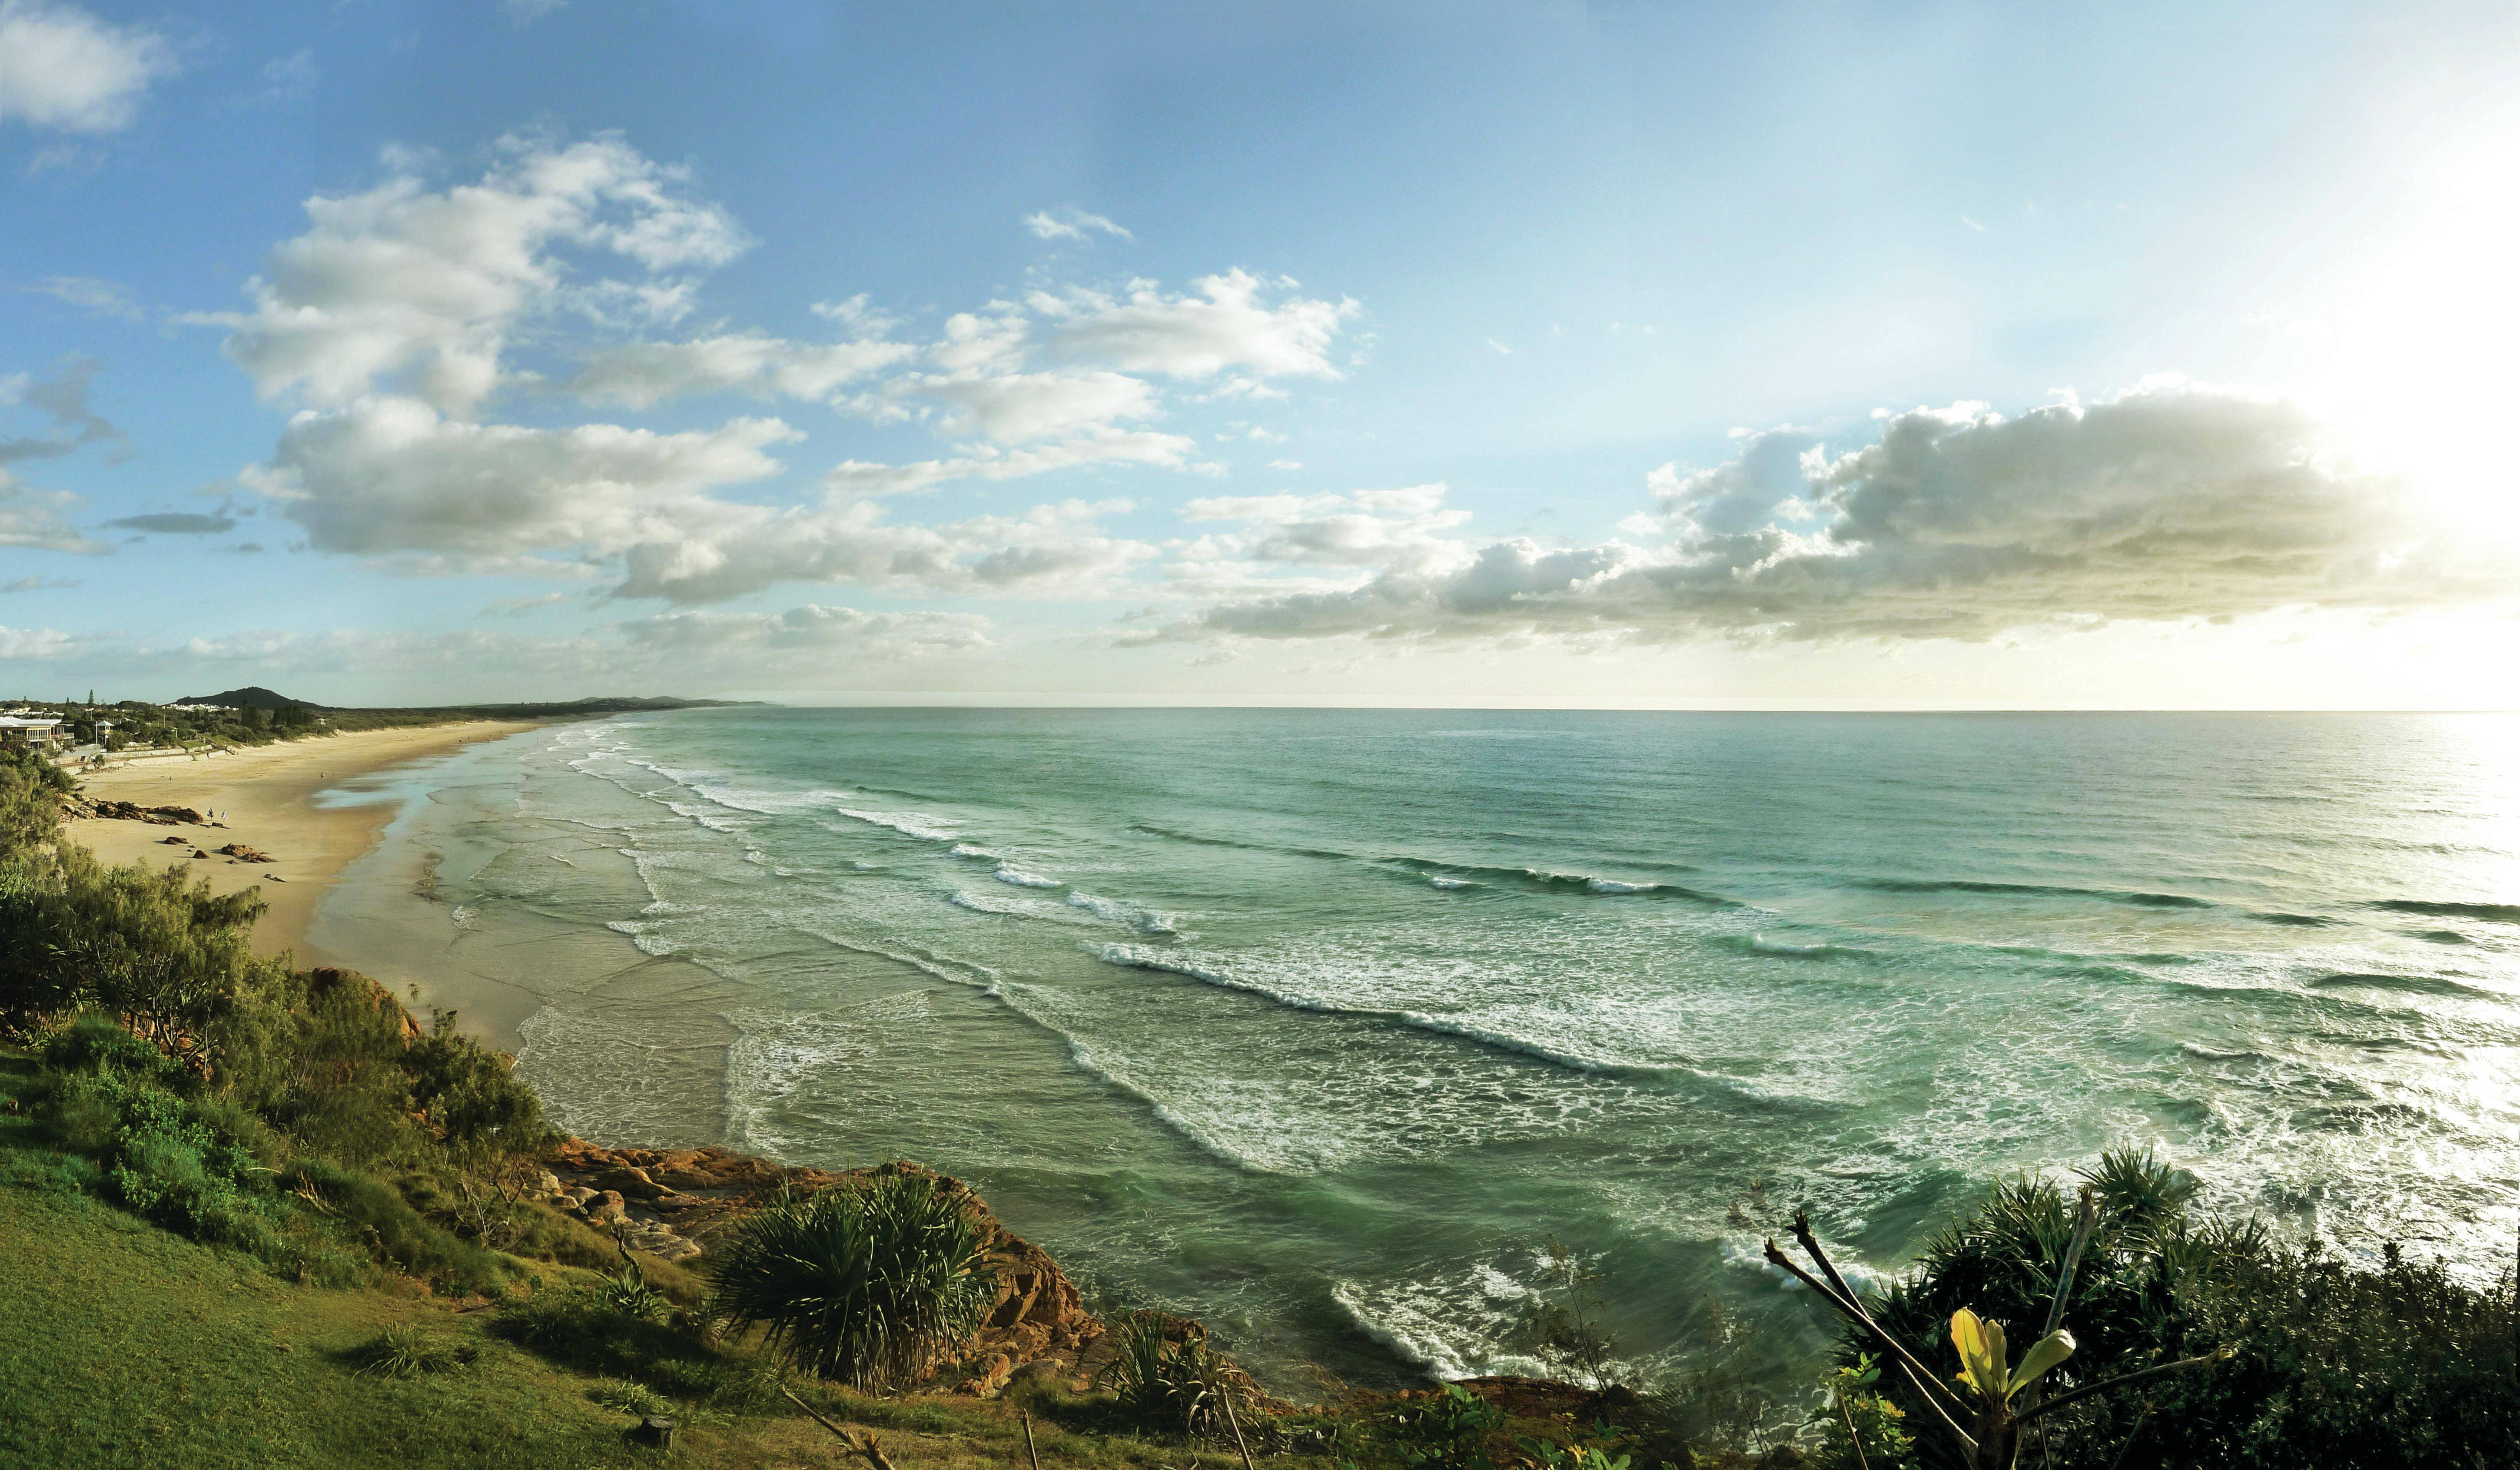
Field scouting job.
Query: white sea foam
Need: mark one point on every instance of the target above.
(702, 816)
(1146, 920)
(1614, 885)
(461, 916)
(967, 850)
(1866, 1280)
(1438, 880)
(909, 823)
(1139, 957)
(981, 902)
(1009, 873)
(640, 936)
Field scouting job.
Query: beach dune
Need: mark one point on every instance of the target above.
(265, 796)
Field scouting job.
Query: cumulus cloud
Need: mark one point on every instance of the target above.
(61, 67)
(2171, 500)
(640, 374)
(1222, 322)
(394, 474)
(1071, 224)
(1012, 407)
(407, 289)
(1051, 551)
(397, 318)
(40, 644)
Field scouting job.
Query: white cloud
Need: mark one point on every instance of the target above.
(1223, 322)
(40, 644)
(2169, 502)
(1053, 550)
(640, 374)
(807, 635)
(854, 313)
(1502, 349)
(417, 291)
(286, 79)
(402, 311)
(63, 68)
(392, 475)
(34, 520)
(94, 293)
(1071, 224)
(1109, 446)
(1015, 406)
(1369, 528)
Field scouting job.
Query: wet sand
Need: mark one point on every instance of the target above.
(265, 797)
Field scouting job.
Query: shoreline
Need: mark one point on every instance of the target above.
(264, 798)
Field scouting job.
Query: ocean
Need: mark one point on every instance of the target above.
(1319, 1025)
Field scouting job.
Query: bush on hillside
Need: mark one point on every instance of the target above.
(1165, 1374)
(2336, 1366)
(868, 1282)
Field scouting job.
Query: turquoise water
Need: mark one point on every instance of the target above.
(1315, 1024)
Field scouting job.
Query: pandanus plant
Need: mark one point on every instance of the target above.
(2004, 1397)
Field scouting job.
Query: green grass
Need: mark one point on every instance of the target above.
(122, 1344)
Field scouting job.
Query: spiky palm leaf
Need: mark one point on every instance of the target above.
(866, 1283)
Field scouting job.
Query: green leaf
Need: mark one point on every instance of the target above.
(2044, 1354)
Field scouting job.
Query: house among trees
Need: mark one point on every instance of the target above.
(19, 733)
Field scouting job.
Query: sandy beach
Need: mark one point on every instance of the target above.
(265, 798)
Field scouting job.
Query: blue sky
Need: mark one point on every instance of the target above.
(1693, 355)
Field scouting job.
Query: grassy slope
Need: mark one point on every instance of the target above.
(122, 1344)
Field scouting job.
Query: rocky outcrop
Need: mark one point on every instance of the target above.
(74, 805)
(244, 853)
(674, 1202)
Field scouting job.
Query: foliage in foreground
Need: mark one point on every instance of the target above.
(2333, 1365)
(1164, 1372)
(866, 1283)
(236, 1100)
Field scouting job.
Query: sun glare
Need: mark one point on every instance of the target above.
(2421, 364)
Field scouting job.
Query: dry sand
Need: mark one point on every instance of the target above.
(265, 796)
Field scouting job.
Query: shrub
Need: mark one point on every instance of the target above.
(1165, 1374)
(403, 1351)
(473, 1105)
(189, 1166)
(1447, 1430)
(868, 1282)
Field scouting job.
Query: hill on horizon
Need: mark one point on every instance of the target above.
(251, 697)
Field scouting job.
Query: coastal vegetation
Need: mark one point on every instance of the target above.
(257, 716)
(325, 1225)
